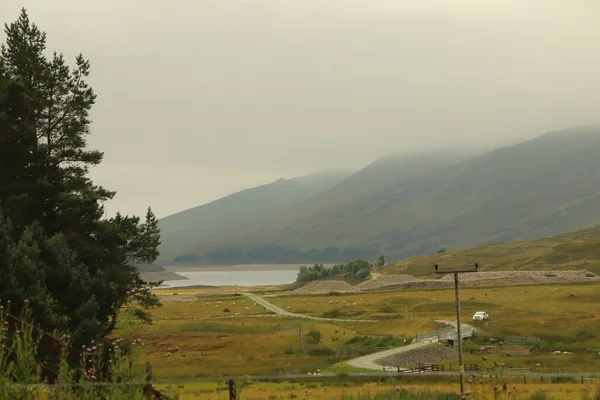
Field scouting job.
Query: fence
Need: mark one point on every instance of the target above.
(444, 335)
(426, 336)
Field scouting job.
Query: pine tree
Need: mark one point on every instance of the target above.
(50, 201)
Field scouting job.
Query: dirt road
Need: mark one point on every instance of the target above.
(279, 311)
(369, 361)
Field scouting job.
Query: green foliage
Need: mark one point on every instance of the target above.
(20, 369)
(314, 337)
(376, 341)
(441, 250)
(380, 262)
(355, 268)
(75, 267)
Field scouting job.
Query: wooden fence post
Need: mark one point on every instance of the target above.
(148, 386)
(232, 395)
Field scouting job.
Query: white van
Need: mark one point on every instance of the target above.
(480, 316)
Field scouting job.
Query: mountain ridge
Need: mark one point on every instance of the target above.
(410, 205)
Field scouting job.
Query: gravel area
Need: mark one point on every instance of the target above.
(563, 276)
(429, 355)
(390, 282)
(384, 280)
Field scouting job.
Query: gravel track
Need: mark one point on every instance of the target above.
(429, 355)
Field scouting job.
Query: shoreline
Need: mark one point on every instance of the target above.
(238, 267)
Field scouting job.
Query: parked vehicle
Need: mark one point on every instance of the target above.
(480, 316)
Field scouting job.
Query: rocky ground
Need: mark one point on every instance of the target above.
(395, 282)
(429, 355)
(389, 282)
(384, 280)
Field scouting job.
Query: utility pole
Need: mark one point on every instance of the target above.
(458, 330)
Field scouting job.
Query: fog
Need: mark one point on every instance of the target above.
(198, 99)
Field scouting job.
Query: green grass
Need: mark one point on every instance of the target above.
(570, 251)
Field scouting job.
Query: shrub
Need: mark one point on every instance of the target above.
(314, 337)
(550, 275)
(117, 360)
(590, 275)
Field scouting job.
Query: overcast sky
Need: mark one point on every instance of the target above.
(201, 98)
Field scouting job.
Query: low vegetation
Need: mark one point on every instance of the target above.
(578, 250)
(354, 269)
(116, 361)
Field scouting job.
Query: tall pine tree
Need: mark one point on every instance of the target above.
(83, 264)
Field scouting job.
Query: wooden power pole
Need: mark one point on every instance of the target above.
(461, 365)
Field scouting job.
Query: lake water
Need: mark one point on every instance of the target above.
(233, 278)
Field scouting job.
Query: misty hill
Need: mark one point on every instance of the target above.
(579, 250)
(196, 225)
(374, 178)
(545, 186)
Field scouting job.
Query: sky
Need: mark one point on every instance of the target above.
(202, 98)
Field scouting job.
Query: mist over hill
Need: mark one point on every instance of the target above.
(188, 228)
(406, 205)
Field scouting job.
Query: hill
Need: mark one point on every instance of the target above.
(330, 205)
(579, 250)
(188, 228)
(155, 273)
(406, 206)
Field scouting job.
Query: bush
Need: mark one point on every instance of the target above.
(118, 360)
(590, 275)
(332, 314)
(314, 337)
(363, 273)
(550, 275)
(321, 351)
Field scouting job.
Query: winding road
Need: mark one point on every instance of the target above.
(279, 311)
(368, 361)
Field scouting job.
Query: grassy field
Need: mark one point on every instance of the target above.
(564, 317)
(190, 339)
(209, 345)
(407, 390)
(575, 250)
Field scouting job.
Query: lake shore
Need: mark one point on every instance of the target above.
(239, 267)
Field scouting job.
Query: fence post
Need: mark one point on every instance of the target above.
(148, 386)
(232, 390)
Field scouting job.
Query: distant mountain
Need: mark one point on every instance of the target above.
(402, 206)
(579, 250)
(183, 232)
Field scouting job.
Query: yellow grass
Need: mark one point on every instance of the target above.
(570, 251)
(520, 310)
(211, 347)
(286, 390)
